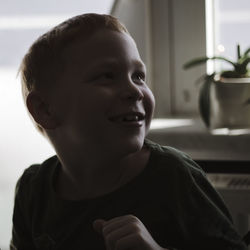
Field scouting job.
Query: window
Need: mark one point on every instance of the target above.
(232, 21)
(21, 22)
(171, 32)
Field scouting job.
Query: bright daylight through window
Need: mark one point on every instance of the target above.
(21, 22)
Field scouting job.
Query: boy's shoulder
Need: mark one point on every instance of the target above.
(167, 158)
(37, 175)
(175, 172)
(36, 170)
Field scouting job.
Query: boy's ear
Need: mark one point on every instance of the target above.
(40, 110)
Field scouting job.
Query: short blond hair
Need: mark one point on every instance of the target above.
(40, 66)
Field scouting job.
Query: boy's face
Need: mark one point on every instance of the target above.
(102, 96)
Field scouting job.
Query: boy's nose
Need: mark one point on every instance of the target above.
(132, 92)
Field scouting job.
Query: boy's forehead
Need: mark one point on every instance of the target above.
(104, 47)
(98, 38)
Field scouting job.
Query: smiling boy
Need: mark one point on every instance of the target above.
(103, 112)
(84, 85)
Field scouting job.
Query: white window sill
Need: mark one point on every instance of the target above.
(191, 136)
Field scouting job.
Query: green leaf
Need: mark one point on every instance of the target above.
(194, 62)
(238, 52)
(201, 60)
(246, 52)
(230, 74)
(204, 99)
(244, 64)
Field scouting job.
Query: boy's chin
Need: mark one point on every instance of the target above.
(133, 144)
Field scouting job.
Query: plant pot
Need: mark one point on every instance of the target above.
(230, 108)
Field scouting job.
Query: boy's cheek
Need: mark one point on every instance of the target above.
(150, 104)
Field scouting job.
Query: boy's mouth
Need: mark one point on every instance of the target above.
(130, 118)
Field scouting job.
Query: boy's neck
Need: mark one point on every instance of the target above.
(92, 179)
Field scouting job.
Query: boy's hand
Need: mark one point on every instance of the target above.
(125, 232)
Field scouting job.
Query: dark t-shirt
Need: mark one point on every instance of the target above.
(172, 197)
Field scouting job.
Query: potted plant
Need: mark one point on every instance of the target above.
(224, 96)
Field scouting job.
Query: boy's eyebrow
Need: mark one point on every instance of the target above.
(114, 62)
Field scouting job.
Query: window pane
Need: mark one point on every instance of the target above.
(232, 22)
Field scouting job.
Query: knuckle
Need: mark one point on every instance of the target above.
(136, 229)
(133, 218)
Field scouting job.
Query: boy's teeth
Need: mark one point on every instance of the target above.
(127, 118)
(131, 118)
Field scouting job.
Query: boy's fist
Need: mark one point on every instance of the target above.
(125, 232)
